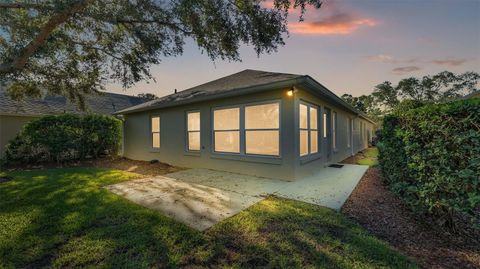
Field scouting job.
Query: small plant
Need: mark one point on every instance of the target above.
(65, 137)
(430, 156)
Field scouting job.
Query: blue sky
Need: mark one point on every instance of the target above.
(349, 46)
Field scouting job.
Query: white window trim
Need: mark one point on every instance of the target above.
(152, 148)
(349, 132)
(310, 155)
(242, 130)
(335, 131)
(187, 132)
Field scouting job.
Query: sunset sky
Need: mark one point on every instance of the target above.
(349, 46)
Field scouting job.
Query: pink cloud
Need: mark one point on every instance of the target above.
(450, 62)
(405, 70)
(336, 24)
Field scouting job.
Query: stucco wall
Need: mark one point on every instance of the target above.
(137, 141)
(289, 166)
(9, 128)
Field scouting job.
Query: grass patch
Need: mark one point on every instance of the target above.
(368, 157)
(64, 218)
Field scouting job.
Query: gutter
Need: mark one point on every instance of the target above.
(309, 83)
(212, 96)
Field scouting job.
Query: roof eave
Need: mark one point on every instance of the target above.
(232, 93)
(325, 93)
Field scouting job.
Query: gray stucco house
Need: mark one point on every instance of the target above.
(259, 123)
(14, 115)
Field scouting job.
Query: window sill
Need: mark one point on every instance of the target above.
(312, 158)
(247, 158)
(154, 150)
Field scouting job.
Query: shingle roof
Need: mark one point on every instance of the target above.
(238, 81)
(106, 103)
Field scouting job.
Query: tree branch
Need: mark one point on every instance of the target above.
(20, 6)
(58, 19)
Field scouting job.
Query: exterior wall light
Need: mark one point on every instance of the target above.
(290, 92)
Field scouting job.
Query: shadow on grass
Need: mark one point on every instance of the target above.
(64, 218)
(281, 233)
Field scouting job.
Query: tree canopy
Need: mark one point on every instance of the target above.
(414, 92)
(75, 47)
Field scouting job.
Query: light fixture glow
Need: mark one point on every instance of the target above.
(290, 92)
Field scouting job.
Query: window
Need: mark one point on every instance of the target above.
(226, 129)
(334, 130)
(256, 133)
(361, 130)
(262, 129)
(308, 129)
(193, 131)
(324, 124)
(155, 126)
(349, 132)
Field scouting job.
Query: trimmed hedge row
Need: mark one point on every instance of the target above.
(430, 157)
(65, 137)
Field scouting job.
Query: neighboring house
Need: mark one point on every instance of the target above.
(253, 122)
(14, 115)
(475, 94)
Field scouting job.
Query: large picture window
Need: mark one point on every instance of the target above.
(262, 129)
(308, 129)
(226, 129)
(193, 131)
(248, 129)
(155, 129)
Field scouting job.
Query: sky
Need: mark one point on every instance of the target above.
(347, 45)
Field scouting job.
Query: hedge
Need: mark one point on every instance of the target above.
(65, 137)
(430, 157)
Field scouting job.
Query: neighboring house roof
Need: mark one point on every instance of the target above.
(475, 94)
(105, 103)
(244, 82)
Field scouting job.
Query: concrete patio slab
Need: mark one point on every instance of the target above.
(202, 197)
(244, 184)
(198, 206)
(329, 187)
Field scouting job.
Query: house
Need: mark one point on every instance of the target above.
(14, 115)
(253, 122)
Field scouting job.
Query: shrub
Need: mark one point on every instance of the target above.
(65, 137)
(430, 156)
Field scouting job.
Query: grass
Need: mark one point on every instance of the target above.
(64, 218)
(370, 156)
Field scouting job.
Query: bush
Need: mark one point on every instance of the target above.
(65, 137)
(430, 156)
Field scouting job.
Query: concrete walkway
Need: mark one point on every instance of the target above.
(201, 197)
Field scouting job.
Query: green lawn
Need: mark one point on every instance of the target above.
(370, 157)
(63, 218)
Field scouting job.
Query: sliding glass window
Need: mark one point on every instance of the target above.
(308, 123)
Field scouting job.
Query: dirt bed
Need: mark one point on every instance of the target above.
(383, 214)
(141, 167)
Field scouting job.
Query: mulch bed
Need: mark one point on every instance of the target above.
(383, 214)
(140, 167)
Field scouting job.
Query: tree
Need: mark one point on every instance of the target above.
(386, 95)
(413, 92)
(441, 87)
(74, 47)
(147, 96)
